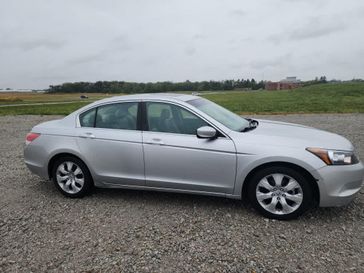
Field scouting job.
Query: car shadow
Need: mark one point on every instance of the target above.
(162, 198)
(145, 198)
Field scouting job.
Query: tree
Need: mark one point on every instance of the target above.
(323, 79)
(167, 86)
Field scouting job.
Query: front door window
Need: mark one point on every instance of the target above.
(169, 118)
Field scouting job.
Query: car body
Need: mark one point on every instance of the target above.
(170, 142)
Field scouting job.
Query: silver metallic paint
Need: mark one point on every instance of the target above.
(185, 163)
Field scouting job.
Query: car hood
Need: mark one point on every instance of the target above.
(275, 133)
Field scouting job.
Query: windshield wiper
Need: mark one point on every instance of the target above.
(252, 125)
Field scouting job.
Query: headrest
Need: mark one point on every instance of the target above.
(121, 112)
(165, 114)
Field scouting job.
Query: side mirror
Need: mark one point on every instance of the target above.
(206, 132)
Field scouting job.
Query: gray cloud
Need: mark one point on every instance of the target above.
(199, 36)
(238, 12)
(50, 42)
(121, 42)
(190, 51)
(42, 43)
(80, 60)
(32, 43)
(314, 28)
(262, 64)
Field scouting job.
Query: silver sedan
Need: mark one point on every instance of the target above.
(187, 144)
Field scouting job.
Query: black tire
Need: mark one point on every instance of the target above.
(305, 190)
(87, 178)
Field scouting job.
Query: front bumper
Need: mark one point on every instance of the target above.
(338, 185)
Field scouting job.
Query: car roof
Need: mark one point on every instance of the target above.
(172, 97)
(154, 96)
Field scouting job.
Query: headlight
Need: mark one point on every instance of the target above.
(334, 157)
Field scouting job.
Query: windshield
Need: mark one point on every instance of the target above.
(222, 115)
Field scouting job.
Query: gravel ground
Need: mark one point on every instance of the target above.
(136, 231)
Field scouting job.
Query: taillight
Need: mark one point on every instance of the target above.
(30, 137)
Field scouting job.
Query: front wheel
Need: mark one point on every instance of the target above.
(280, 193)
(71, 177)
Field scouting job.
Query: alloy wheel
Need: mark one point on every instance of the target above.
(70, 177)
(279, 194)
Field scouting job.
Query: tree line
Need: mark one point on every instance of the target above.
(317, 80)
(134, 87)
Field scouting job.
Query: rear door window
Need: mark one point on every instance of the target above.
(117, 116)
(112, 116)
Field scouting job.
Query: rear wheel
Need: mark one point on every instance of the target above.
(280, 193)
(71, 177)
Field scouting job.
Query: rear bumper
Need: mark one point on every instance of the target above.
(338, 185)
(34, 159)
(38, 170)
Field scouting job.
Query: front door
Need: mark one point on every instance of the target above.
(175, 158)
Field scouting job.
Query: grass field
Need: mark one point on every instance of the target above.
(15, 98)
(23, 98)
(325, 98)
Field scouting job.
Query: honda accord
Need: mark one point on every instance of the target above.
(188, 144)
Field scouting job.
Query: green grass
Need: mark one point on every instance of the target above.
(23, 98)
(54, 109)
(324, 98)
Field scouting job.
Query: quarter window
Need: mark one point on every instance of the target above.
(87, 119)
(169, 118)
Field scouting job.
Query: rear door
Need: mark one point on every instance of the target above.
(112, 144)
(175, 158)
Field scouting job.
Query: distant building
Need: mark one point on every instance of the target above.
(287, 83)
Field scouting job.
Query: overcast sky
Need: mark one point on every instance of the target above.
(51, 42)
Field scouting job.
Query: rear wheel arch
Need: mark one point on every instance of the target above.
(311, 180)
(58, 156)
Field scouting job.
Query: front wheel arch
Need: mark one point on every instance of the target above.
(312, 181)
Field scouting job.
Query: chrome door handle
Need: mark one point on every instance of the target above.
(155, 141)
(87, 135)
